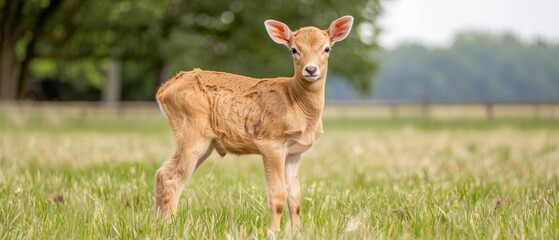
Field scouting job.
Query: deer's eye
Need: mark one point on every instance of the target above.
(327, 50)
(293, 51)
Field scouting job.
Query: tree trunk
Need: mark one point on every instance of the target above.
(30, 48)
(111, 90)
(24, 68)
(7, 49)
(8, 62)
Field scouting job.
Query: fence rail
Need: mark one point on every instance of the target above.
(487, 110)
(386, 109)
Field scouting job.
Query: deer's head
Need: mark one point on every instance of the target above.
(310, 46)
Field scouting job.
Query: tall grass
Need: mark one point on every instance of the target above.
(91, 177)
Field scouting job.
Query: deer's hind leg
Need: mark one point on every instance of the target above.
(190, 151)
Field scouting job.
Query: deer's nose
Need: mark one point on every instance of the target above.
(311, 69)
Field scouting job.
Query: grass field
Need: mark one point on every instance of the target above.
(91, 177)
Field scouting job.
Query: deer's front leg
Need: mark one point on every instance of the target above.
(293, 189)
(273, 156)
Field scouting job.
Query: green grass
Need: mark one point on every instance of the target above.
(92, 177)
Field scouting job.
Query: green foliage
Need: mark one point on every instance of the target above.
(156, 39)
(478, 67)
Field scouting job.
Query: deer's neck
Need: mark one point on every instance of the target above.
(309, 96)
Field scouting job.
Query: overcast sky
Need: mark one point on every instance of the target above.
(434, 22)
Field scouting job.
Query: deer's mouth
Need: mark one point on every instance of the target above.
(311, 77)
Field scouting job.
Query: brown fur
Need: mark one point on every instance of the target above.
(278, 118)
(235, 112)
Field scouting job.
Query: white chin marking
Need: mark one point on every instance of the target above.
(312, 78)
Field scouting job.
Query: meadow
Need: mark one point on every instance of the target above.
(70, 175)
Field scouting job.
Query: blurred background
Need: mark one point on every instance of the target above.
(400, 52)
(441, 120)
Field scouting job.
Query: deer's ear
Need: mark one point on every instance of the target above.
(340, 28)
(278, 31)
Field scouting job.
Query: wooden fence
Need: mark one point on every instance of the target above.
(373, 109)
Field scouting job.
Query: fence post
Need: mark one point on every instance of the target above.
(425, 109)
(489, 111)
(394, 111)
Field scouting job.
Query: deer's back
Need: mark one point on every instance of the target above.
(237, 109)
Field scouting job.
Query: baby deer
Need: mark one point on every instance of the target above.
(278, 118)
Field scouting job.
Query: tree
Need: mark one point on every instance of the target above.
(27, 23)
(73, 40)
(478, 67)
(229, 36)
